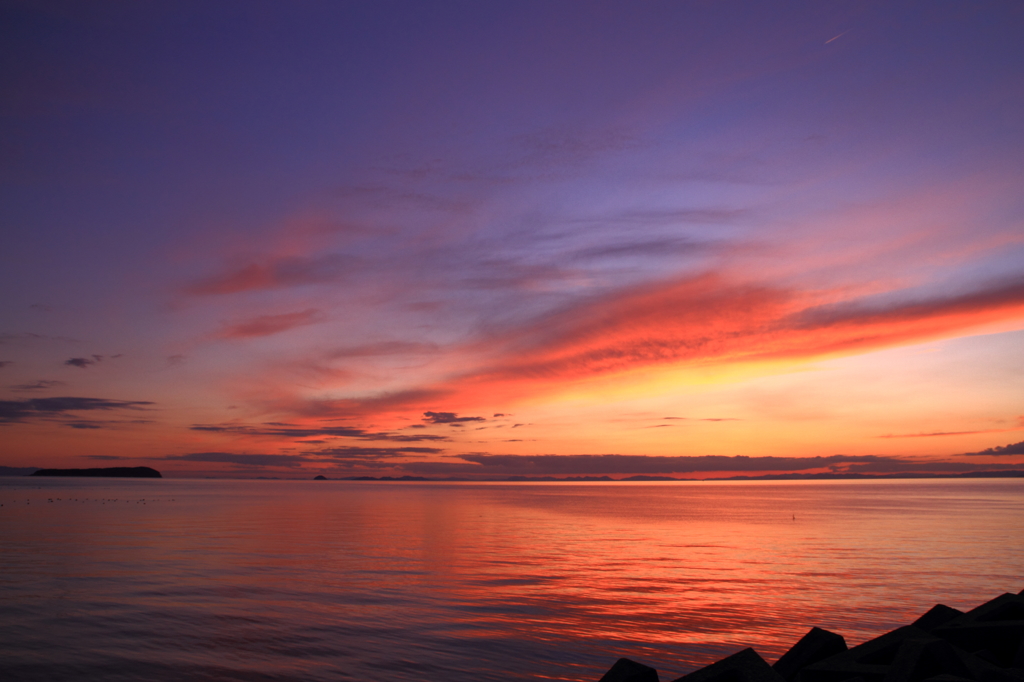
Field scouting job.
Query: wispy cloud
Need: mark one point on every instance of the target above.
(360, 453)
(384, 348)
(266, 325)
(275, 273)
(40, 385)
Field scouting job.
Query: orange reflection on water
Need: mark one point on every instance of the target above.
(499, 581)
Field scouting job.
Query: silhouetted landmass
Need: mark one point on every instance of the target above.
(650, 478)
(386, 478)
(18, 471)
(321, 477)
(109, 472)
(832, 476)
(765, 477)
(556, 478)
(986, 644)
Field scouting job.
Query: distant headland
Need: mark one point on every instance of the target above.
(109, 472)
(608, 479)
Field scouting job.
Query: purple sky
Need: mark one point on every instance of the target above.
(659, 229)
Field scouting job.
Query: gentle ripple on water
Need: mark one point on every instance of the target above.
(304, 580)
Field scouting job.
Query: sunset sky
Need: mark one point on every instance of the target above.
(512, 238)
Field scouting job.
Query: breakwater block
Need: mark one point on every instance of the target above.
(985, 644)
(743, 666)
(626, 670)
(816, 645)
(940, 614)
(994, 631)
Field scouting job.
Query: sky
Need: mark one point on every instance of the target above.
(497, 239)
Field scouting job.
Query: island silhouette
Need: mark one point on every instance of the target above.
(108, 472)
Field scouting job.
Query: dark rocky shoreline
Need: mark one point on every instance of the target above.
(985, 644)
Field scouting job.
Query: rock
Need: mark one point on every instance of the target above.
(626, 670)
(320, 477)
(993, 631)
(870, 660)
(940, 614)
(816, 645)
(744, 666)
(919, 659)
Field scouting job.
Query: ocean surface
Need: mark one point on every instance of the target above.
(172, 579)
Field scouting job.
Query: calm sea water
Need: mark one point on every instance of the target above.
(312, 580)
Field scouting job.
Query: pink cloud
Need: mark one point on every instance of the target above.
(265, 325)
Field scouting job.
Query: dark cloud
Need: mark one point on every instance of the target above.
(104, 457)
(275, 429)
(278, 429)
(175, 360)
(84, 361)
(402, 438)
(448, 418)
(898, 466)
(40, 385)
(239, 459)
(1001, 450)
(18, 411)
(266, 325)
(355, 452)
(5, 363)
(275, 274)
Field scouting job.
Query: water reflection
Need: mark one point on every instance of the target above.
(401, 581)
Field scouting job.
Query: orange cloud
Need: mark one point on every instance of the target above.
(707, 320)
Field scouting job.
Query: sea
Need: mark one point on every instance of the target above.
(275, 580)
